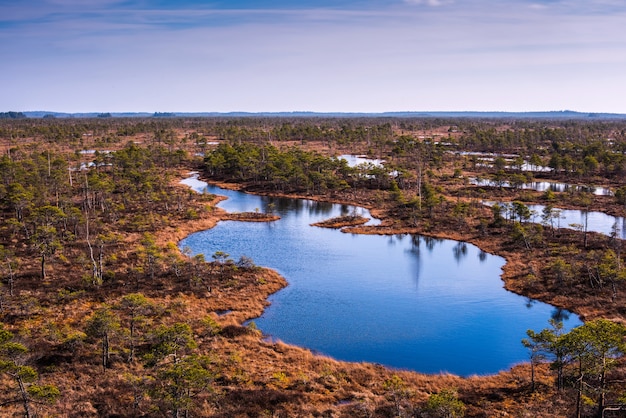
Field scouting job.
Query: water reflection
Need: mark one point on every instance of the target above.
(415, 242)
(404, 301)
(283, 205)
(459, 251)
(415, 248)
(560, 315)
(320, 208)
(415, 260)
(592, 221)
(345, 210)
(530, 302)
(542, 186)
(486, 159)
(431, 241)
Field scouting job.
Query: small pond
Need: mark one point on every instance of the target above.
(403, 301)
(542, 186)
(355, 160)
(488, 158)
(595, 221)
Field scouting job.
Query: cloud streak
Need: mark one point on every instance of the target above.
(433, 3)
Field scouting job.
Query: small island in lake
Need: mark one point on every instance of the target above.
(342, 221)
(250, 217)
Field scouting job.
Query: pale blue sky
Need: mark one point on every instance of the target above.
(326, 56)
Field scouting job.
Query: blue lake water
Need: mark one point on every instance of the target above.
(592, 221)
(542, 186)
(403, 301)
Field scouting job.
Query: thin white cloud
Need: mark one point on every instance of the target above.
(433, 3)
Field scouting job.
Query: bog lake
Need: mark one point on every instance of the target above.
(404, 301)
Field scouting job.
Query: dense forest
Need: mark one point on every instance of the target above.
(102, 314)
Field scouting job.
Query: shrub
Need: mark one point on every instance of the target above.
(445, 404)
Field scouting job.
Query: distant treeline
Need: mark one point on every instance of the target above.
(12, 115)
(574, 148)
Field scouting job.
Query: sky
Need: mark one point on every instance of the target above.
(307, 55)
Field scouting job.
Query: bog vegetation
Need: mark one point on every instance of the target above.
(101, 314)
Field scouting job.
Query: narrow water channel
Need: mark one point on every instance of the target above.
(404, 301)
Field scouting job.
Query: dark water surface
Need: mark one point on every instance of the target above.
(404, 301)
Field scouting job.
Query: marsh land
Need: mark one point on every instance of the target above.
(104, 313)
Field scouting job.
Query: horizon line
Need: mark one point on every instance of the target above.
(164, 114)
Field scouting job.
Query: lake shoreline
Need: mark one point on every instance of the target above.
(278, 282)
(377, 272)
(515, 272)
(387, 226)
(516, 265)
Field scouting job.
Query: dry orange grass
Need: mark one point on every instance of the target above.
(257, 375)
(261, 378)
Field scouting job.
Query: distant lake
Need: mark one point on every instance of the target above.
(542, 186)
(404, 301)
(364, 161)
(488, 158)
(596, 221)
